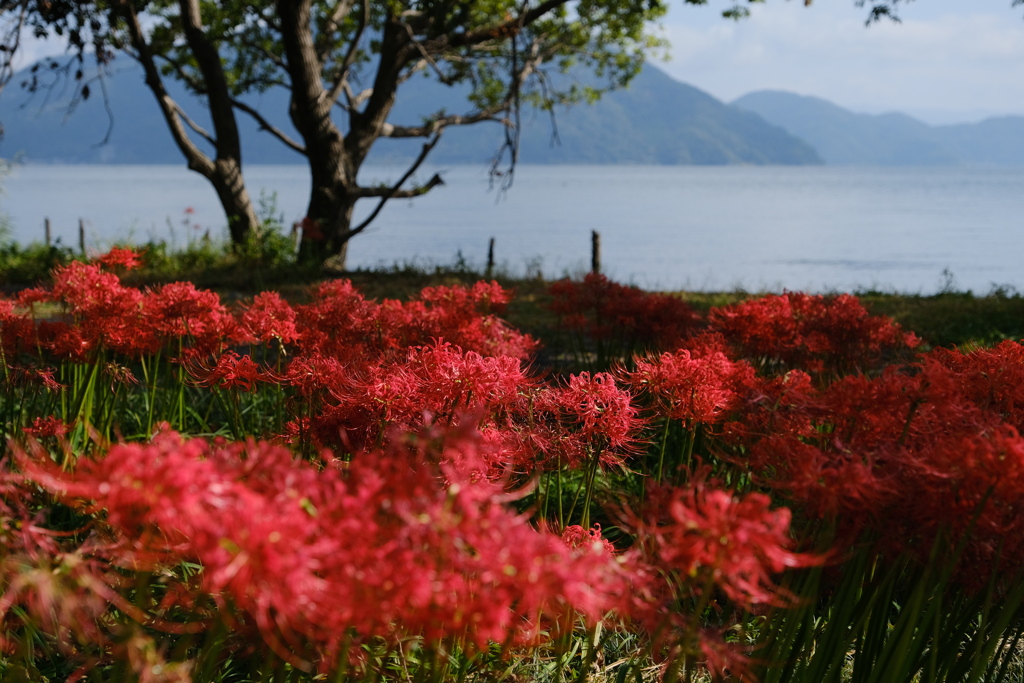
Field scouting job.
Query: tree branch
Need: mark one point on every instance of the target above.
(339, 12)
(195, 157)
(439, 124)
(199, 130)
(217, 92)
(508, 27)
(109, 110)
(9, 46)
(183, 75)
(274, 59)
(365, 125)
(426, 55)
(341, 80)
(269, 127)
(353, 99)
(396, 191)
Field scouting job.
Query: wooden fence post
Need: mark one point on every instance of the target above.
(49, 236)
(595, 252)
(81, 235)
(490, 259)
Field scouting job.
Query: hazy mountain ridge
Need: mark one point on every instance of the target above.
(657, 120)
(848, 138)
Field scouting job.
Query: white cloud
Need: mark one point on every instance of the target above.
(954, 60)
(33, 49)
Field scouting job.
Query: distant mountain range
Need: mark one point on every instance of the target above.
(657, 120)
(844, 137)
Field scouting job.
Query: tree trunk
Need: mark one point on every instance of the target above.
(328, 220)
(234, 197)
(334, 158)
(225, 171)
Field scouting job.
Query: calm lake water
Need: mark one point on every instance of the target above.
(807, 228)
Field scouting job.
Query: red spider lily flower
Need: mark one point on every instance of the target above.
(17, 332)
(47, 426)
(743, 542)
(718, 539)
(65, 341)
(127, 259)
(851, 487)
(34, 295)
(180, 311)
(294, 431)
(812, 332)
(84, 286)
(467, 317)
(107, 313)
(20, 376)
(692, 386)
(513, 454)
(578, 538)
(591, 417)
(231, 371)
(269, 318)
(992, 379)
(339, 322)
(942, 428)
(786, 404)
(482, 297)
(312, 229)
(315, 375)
(700, 543)
(440, 380)
(465, 379)
(64, 595)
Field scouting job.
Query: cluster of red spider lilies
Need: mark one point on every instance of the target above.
(351, 489)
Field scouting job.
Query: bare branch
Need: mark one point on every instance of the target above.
(182, 75)
(170, 109)
(396, 191)
(440, 123)
(199, 130)
(81, 92)
(9, 45)
(426, 55)
(269, 127)
(333, 22)
(353, 99)
(513, 128)
(341, 79)
(413, 70)
(542, 79)
(109, 110)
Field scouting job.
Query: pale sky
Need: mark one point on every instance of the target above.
(949, 61)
